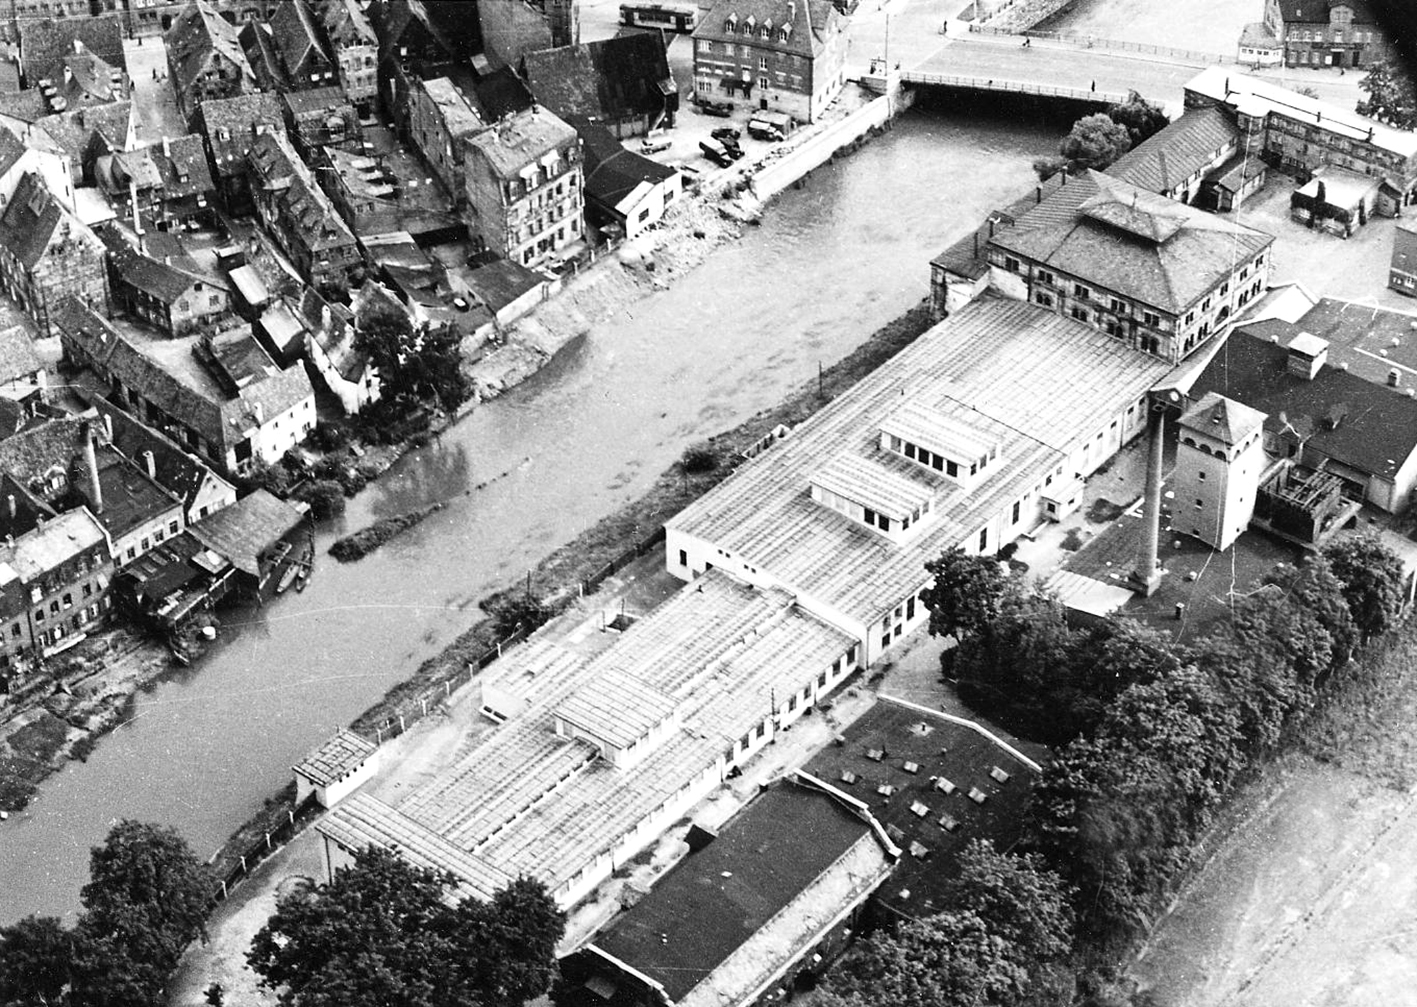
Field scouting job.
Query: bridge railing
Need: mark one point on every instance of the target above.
(1116, 45)
(1017, 86)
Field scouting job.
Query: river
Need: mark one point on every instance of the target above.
(831, 262)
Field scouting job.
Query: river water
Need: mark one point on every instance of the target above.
(830, 263)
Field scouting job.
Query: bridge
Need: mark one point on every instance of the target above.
(908, 34)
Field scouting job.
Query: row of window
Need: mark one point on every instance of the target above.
(938, 462)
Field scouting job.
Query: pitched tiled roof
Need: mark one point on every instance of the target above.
(17, 356)
(73, 131)
(346, 23)
(611, 171)
(248, 528)
(43, 43)
(82, 77)
(31, 220)
(259, 45)
(30, 454)
(1317, 11)
(604, 80)
(198, 32)
(151, 276)
(1143, 246)
(814, 22)
(239, 114)
(178, 471)
(296, 33)
(1221, 418)
(11, 149)
(1178, 151)
(455, 30)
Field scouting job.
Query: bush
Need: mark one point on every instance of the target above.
(699, 458)
(330, 436)
(325, 497)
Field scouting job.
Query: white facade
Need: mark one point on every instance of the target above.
(1219, 458)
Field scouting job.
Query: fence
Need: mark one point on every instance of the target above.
(296, 818)
(592, 583)
(1111, 44)
(1014, 86)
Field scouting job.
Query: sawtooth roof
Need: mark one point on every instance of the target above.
(1122, 238)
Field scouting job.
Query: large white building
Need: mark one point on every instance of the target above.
(981, 429)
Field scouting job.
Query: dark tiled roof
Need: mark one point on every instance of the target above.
(248, 528)
(942, 751)
(11, 149)
(1124, 239)
(1378, 425)
(241, 113)
(968, 257)
(318, 100)
(30, 454)
(1178, 151)
(44, 43)
(259, 45)
(296, 34)
(130, 498)
(611, 171)
(194, 36)
(17, 356)
(1221, 418)
(73, 131)
(29, 222)
(501, 282)
(346, 24)
(814, 22)
(85, 78)
(151, 276)
(181, 473)
(604, 80)
(711, 902)
(451, 29)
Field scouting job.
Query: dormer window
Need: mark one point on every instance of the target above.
(749, 24)
(939, 442)
(868, 492)
(785, 33)
(731, 25)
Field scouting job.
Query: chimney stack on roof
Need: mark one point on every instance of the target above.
(91, 464)
(108, 427)
(1307, 355)
(13, 510)
(150, 465)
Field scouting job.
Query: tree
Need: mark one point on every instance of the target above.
(1140, 118)
(1095, 142)
(965, 593)
(383, 932)
(36, 956)
(414, 368)
(146, 900)
(1373, 580)
(1392, 98)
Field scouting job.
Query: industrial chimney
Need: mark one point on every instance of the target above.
(91, 463)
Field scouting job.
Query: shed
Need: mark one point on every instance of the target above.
(1337, 201)
(336, 769)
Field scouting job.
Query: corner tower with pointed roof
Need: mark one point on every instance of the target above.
(1219, 458)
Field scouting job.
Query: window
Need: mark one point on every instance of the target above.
(1080, 314)
(762, 63)
(1044, 276)
(1119, 306)
(983, 538)
(1046, 300)
(68, 600)
(1011, 264)
(1080, 291)
(683, 558)
(1150, 318)
(88, 590)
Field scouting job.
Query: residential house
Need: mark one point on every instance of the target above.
(228, 127)
(219, 396)
(46, 41)
(169, 186)
(622, 84)
(362, 188)
(298, 214)
(507, 289)
(434, 31)
(22, 373)
(1402, 276)
(205, 59)
(729, 926)
(163, 295)
(1259, 46)
(441, 117)
(936, 783)
(154, 17)
(70, 145)
(18, 159)
(1325, 32)
(299, 37)
(46, 254)
(181, 473)
(265, 539)
(979, 431)
(258, 44)
(135, 511)
(525, 187)
(54, 587)
(320, 117)
(1159, 276)
(612, 749)
(1299, 134)
(1193, 160)
(623, 189)
(356, 50)
(332, 349)
(784, 55)
(79, 78)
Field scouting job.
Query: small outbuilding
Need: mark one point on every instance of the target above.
(1336, 201)
(335, 769)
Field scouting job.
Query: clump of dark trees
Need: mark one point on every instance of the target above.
(1150, 737)
(386, 932)
(1096, 140)
(146, 900)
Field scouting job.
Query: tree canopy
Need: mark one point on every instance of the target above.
(414, 367)
(1391, 96)
(1007, 928)
(385, 932)
(1094, 142)
(965, 594)
(1140, 118)
(1372, 579)
(146, 900)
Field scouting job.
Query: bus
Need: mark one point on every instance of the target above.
(669, 16)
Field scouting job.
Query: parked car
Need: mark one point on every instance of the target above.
(653, 145)
(716, 152)
(722, 109)
(726, 134)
